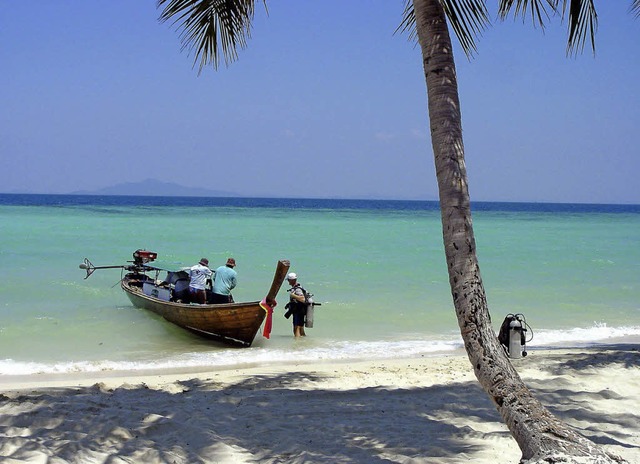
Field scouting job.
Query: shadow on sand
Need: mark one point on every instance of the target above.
(269, 419)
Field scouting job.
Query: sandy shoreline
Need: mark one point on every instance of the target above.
(429, 409)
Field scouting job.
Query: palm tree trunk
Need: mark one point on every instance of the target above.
(538, 433)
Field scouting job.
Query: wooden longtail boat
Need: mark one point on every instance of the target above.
(232, 323)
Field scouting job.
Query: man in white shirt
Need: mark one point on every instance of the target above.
(199, 274)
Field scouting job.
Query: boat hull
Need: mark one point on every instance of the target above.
(231, 323)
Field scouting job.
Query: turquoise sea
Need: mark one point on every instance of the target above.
(377, 267)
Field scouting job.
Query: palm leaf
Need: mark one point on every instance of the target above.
(539, 14)
(581, 17)
(583, 22)
(210, 27)
(467, 18)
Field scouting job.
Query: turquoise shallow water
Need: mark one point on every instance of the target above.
(377, 268)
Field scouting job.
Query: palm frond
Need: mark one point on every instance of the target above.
(635, 8)
(408, 23)
(583, 22)
(210, 27)
(539, 13)
(467, 18)
(581, 17)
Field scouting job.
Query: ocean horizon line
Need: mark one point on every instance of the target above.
(15, 199)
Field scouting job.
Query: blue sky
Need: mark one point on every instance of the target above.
(325, 102)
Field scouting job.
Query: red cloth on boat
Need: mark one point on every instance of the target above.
(268, 324)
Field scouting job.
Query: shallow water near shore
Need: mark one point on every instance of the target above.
(376, 267)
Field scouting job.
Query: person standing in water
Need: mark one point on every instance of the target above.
(297, 304)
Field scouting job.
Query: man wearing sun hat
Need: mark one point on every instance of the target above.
(199, 274)
(225, 281)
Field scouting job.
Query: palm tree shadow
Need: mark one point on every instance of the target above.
(626, 355)
(576, 405)
(263, 418)
(596, 356)
(270, 418)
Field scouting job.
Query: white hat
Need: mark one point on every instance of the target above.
(292, 276)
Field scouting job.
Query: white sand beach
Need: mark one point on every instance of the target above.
(427, 410)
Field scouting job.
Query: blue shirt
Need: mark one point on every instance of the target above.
(225, 280)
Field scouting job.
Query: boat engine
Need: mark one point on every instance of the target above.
(513, 336)
(141, 257)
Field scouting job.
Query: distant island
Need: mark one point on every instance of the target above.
(155, 188)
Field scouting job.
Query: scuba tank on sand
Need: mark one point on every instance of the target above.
(512, 335)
